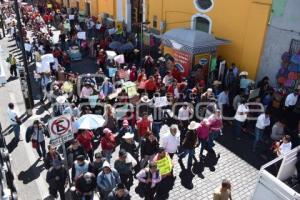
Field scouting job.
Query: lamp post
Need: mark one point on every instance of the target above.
(23, 71)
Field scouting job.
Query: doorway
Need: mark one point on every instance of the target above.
(88, 9)
(136, 15)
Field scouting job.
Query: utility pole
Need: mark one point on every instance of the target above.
(23, 71)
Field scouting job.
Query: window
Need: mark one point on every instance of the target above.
(202, 24)
(204, 5)
(154, 21)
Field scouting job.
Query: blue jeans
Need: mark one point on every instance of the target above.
(237, 128)
(204, 144)
(107, 154)
(191, 153)
(258, 136)
(156, 126)
(212, 136)
(16, 129)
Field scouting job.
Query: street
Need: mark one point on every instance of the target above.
(30, 173)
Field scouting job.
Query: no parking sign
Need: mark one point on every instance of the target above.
(60, 129)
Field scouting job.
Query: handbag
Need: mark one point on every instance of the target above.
(34, 143)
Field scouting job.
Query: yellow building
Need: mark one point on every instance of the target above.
(243, 22)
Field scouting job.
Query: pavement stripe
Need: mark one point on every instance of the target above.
(42, 185)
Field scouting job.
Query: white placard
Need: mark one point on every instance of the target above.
(81, 35)
(71, 17)
(119, 59)
(42, 67)
(47, 58)
(160, 102)
(27, 47)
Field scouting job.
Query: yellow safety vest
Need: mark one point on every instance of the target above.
(164, 165)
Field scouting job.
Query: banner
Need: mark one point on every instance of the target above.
(183, 61)
(81, 35)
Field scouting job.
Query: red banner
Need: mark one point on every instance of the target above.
(183, 62)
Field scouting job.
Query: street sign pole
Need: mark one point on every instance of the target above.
(24, 74)
(66, 161)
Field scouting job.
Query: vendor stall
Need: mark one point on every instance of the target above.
(191, 47)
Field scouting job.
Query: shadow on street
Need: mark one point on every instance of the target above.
(32, 173)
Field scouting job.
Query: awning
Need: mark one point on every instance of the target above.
(192, 41)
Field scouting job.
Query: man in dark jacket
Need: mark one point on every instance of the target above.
(74, 150)
(85, 185)
(98, 163)
(149, 147)
(189, 144)
(57, 179)
(124, 165)
(119, 193)
(51, 156)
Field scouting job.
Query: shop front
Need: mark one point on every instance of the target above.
(191, 50)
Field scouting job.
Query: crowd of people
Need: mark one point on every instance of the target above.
(195, 111)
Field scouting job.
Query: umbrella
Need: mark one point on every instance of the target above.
(115, 45)
(90, 122)
(111, 54)
(244, 73)
(126, 48)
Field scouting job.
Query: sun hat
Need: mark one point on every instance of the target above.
(216, 82)
(193, 125)
(61, 99)
(128, 136)
(106, 130)
(244, 73)
(209, 90)
(145, 99)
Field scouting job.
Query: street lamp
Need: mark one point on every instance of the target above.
(24, 75)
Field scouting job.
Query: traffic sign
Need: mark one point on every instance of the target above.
(60, 129)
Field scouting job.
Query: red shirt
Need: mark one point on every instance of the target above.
(140, 77)
(86, 141)
(170, 90)
(132, 76)
(177, 75)
(150, 85)
(143, 126)
(108, 143)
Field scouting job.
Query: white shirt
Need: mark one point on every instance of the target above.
(223, 99)
(262, 121)
(12, 114)
(242, 108)
(184, 114)
(285, 148)
(170, 143)
(291, 100)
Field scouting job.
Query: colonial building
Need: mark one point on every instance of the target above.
(243, 22)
